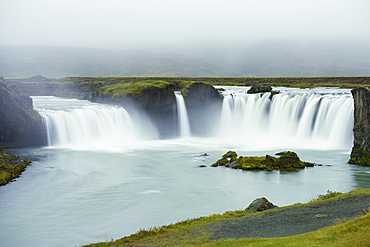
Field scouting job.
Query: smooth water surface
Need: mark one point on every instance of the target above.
(76, 193)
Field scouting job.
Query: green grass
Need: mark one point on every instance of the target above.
(135, 89)
(127, 85)
(192, 232)
(11, 167)
(186, 86)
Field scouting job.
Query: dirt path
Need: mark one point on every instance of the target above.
(291, 221)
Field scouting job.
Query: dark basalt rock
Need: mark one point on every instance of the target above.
(157, 103)
(260, 89)
(360, 154)
(204, 104)
(260, 204)
(20, 124)
(288, 161)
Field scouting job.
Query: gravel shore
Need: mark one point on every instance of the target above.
(291, 221)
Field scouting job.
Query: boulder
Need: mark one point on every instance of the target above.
(260, 89)
(260, 204)
(230, 154)
(360, 153)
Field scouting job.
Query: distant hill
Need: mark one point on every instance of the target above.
(266, 59)
(26, 61)
(274, 59)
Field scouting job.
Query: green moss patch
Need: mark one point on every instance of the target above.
(135, 89)
(11, 167)
(186, 86)
(287, 161)
(359, 156)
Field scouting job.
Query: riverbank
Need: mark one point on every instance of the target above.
(334, 219)
(11, 167)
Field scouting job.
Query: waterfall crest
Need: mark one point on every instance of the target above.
(325, 120)
(293, 118)
(82, 124)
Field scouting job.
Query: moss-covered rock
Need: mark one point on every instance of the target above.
(259, 89)
(359, 156)
(230, 154)
(221, 162)
(287, 161)
(11, 167)
(262, 89)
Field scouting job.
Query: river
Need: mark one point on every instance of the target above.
(105, 174)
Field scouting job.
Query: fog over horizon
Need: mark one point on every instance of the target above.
(210, 30)
(147, 25)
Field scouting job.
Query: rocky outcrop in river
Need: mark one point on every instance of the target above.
(360, 154)
(287, 161)
(20, 125)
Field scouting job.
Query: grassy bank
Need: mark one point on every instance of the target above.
(193, 232)
(11, 167)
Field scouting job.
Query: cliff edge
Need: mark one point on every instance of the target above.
(20, 124)
(360, 154)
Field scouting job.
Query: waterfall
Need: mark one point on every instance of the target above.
(82, 124)
(183, 119)
(304, 119)
(293, 118)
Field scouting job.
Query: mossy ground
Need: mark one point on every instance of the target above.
(135, 89)
(11, 167)
(352, 233)
(359, 156)
(297, 82)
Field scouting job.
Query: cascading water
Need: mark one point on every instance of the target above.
(86, 125)
(183, 119)
(291, 117)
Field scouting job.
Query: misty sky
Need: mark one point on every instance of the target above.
(172, 24)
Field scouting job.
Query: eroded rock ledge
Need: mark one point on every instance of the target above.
(360, 154)
(20, 124)
(287, 161)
